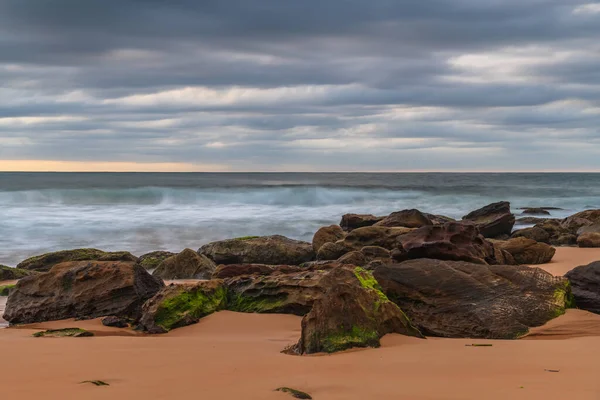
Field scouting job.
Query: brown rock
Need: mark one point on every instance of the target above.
(82, 288)
(589, 239)
(332, 251)
(233, 270)
(46, 261)
(595, 228)
(374, 236)
(350, 222)
(459, 299)
(186, 265)
(439, 219)
(353, 258)
(535, 233)
(535, 211)
(406, 218)
(115, 322)
(493, 220)
(327, 234)
(9, 274)
(585, 285)
(152, 260)
(527, 251)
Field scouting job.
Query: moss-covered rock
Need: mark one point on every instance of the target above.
(46, 261)
(181, 305)
(353, 312)
(5, 290)
(152, 260)
(186, 265)
(66, 332)
(10, 274)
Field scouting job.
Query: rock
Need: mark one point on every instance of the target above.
(535, 233)
(559, 235)
(406, 218)
(589, 239)
(153, 260)
(501, 256)
(232, 270)
(332, 251)
(186, 265)
(533, 220)
(493, 220)
(353, 312)
(593, 216)
(5, 290)
(181, 305)
(585, 285)
(372, 253)
(115, 322)
(276, 293)
(355, 258)
(294, 393)
(65, 332)
(535, 211)
(465, 300)
(46, 261)
(82, 288)
(11, 274)
(327, 234)
(259, 250)
(451, 241)
(439, 219)
(595, 228)
(350, 222)
(573, 224)
(527, 251)
(564, 240)
(374, 236)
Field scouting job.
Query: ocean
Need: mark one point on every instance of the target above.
(142, 212)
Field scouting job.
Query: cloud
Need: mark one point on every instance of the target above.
(315, 85)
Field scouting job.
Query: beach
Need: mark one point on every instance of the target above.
(238, 356)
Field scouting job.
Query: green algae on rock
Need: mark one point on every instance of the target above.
(5, 290)
(66, 332)
(181, 305)
(46, 261)
(9, 274)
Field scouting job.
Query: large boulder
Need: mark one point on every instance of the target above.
(559, 235)
(327, 234)
(451, 241)
(406, 218)
(588, 239)
(332, 251)
(380, 236)
(465, 300)
(585, 284)
(82, 289)
(528, 251)
(584, 218)
(152, 260)
(350, 222)
(594, 228)
(259, 250)
(353, 312)
(10, 274)
(46, 261)
(493, 220)
(534, 233)
(181, 305)
(186, 265)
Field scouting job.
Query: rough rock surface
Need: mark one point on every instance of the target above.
(405, 218)
(46, 261)
(460, 299)
(585, 285)
(380, 236)
(451, 241)
(9, 274)
(233, 270)
(493, 220)
(186, 265)
(181, 305)
(534, 233)
(82, 289)
(152, 260)
(332, 251)
(350, 222)
(589, 239)
(259, 250)
(353, 312)
(327, 234)
(115, 322)
(528, 251)
(353, 258)
(439, 219)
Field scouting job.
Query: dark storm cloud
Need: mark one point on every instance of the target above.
(277, 84)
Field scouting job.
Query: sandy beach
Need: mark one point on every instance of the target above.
(237, 356)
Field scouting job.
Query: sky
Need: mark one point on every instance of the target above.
(311, 85)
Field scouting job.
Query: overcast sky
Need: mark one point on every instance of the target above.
(290, 85)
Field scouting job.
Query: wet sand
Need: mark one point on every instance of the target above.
(237, 356)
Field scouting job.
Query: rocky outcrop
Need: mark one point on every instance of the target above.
(353, 312)
(10, 274)
(451, 241)
(439, 219)
(350, 222)
(466, 300)
(272, 250)
(585, 285)
(46, 261)
(527, 251)
(380, 236)
(406, 218)
(588, 239)
(82, 289)
(152, 260)
(327, 234)
(493, 220)
(181, 305)
(533, 233)
(186, 265)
